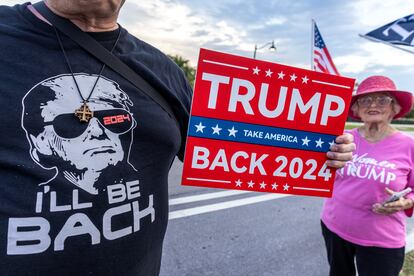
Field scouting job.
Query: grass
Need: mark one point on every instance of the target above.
(408, 268)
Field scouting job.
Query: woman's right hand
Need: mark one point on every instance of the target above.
(392, 207)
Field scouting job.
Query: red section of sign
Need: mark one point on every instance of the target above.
(253, 92)
(211, 163)
(239, 74)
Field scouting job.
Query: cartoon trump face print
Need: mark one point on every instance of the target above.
(79, 152)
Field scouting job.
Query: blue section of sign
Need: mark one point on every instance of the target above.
(259, 135)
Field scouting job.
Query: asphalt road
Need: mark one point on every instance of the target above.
(274, 237)
(243, 234)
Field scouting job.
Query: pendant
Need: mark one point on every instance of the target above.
(84, 113)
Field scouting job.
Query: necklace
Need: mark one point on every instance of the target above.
(83, 112)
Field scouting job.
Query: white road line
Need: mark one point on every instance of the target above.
(332, 84)
(221, 206)
(225, 64)
(208, 180)
(312, 189)
(207, 196)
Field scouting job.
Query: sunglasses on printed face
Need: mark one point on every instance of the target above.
(118, 121)
(381, 101)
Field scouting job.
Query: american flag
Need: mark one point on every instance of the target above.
(322, 61)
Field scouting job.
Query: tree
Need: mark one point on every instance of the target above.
(410, 115)
(183, 63)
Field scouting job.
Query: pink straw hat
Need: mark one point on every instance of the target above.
(375, 84)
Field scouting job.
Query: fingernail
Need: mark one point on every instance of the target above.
(330, 154)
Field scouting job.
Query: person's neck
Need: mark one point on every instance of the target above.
(87, 21)
(374, 132)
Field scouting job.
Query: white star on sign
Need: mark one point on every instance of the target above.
(263, 185)
(281, 75)
(305, 79)
(238, 183)
(274, 186)
(250, 184)
(319, 143)
(268, 73)
(286, 187)
(293, 77)
(199, 127)
(256, 71)
(232, 131)
(305, 141)
(216, 129)
(331, 143)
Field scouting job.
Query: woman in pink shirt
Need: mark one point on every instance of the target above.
(359, 230)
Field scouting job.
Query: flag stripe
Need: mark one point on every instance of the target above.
(327, 61)
(330, 61)
(321, 57)
(321, 64)
(324, 61)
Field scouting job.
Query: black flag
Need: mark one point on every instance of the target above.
(400, 32)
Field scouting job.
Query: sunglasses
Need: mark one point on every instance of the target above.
(118, 121)
(379, 101)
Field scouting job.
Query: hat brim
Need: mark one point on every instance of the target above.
(404, 98)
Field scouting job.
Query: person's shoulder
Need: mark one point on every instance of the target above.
(146, 49)
(353, 132)
(156, 61)
(9, 12)
(405, 141)
(405, 137)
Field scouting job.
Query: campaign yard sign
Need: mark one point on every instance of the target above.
(261, 126)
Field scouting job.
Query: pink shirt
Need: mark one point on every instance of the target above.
(361, 183)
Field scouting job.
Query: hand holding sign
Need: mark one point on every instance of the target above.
(261, 126)
(341, 152)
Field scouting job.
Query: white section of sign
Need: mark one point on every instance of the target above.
(225, 64)
(208, 180)
(311, 189)
(332, 84)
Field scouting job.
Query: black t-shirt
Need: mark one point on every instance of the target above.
(81, 198)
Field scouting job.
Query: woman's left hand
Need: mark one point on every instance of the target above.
(392, 207)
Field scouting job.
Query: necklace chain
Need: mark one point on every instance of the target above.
(84, 113)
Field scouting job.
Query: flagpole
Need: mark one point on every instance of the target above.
(312, 41)
(385, 42)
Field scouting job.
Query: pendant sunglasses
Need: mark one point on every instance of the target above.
(118, 121)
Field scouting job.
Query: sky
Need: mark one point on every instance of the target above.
(182, 27)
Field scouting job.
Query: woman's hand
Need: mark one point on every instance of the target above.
(392, 207)
(341, 152)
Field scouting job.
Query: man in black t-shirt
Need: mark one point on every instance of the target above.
(83, 193)
(82, 197)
